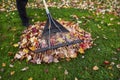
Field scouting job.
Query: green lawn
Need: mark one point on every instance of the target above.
(106, 35)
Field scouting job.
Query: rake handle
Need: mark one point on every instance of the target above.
(46, 7)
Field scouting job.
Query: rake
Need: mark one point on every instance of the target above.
(51, 28)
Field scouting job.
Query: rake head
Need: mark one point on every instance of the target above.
(51, 28)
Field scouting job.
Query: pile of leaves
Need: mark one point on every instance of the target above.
(31, 40)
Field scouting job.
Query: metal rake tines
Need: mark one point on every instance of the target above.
(53, 26)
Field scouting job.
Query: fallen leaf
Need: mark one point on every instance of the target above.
(29, 57)
(32, 48)
(25, 68)
(112, 63)
(38, 61)
(3, 64)
(10, 53)
(30, 78)
(25, 50)
(68, 59)
(11, 65)
(111, 19)
(15, 45)
(110, 67)
(76, 78)
(17, 56)
(56, 60)
(66, 72)
(95, 68)
(118, 66)
(12, 73)
(106, 62)
(81, 51)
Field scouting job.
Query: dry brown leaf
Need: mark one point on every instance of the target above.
(12, 73)
(3, 64)
(68, 59)
(10, 53)
(66, 72)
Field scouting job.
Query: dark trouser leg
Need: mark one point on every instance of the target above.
(21, 4)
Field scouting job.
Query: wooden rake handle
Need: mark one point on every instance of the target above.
(46, 7)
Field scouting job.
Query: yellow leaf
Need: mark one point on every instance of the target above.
(12, 73)
(110, 67)
(25, 50)
(60, 40)
(81, 51)
(30, 78)
(3, 64)
(15, 45)
(32, 48)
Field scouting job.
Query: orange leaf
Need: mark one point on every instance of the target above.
(32, 48)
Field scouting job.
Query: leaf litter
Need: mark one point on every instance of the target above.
(31, 40)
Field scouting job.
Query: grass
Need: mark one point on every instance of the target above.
(107, 40)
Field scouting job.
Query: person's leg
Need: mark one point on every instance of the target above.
(21, 7)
